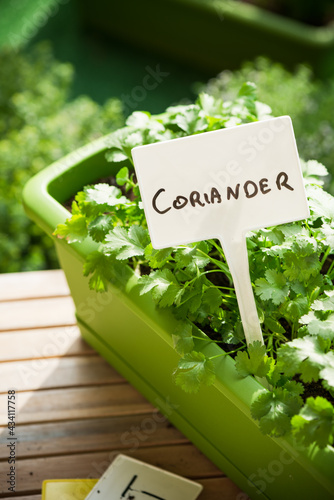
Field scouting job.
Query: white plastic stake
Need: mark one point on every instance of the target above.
(237, 258)
(221, 185)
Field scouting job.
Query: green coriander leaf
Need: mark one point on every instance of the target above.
(272, 288)
(157, 258)
(312, 170)
(327, 232)
(183, 338)
(99, 266)
(115, 156)
(172, 295)
(210, 105)
(321, 203)
(192, 256)
(327, 374)
(273, 325)
(74, 229)
(121, 143)
(324, 303)
(122, 176)
(296, 308)
(255, 362)
(191, 120)
(315, 423)
(138, 119)
(212, 300)
(103, 194)
(323, 328)
(158, 281)
(274, 410)
(305, 356)
(248, 89)
(193, 370)
(300, 267)
(127, 243)
(99, 227)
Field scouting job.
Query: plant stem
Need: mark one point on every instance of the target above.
(227, 353)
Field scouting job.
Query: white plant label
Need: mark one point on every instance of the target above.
(222, 184)
(130, 479)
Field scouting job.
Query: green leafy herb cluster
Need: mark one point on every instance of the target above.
(292, 271)
(39, 124)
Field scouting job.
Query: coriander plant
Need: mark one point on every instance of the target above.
(291, 266)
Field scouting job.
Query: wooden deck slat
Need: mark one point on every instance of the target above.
(184, 460)
(16, 286)
(29, 497)
(77, 403)
(36, 313)
(114, 433)
(50, 373)
(74, 413)
(41, 343)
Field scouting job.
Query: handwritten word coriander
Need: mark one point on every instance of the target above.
(250, 189)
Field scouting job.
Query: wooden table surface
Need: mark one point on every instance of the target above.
(74, 412)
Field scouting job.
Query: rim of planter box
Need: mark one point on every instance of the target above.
(43, 196)
(218, 32)
(270, 21)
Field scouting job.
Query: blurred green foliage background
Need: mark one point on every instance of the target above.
(38, 125)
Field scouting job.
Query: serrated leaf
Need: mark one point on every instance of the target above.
(99, 266)
(324, 304)
(248, 89)
(296, 308)
(327, 374)
(138, 119)
(193, 370)
(305, 356)
(321, 203)
(103, 194)
(210, 105)
(191, 120)
(127, 244)
(274, 325)
(274, 410)
(157, 282)
(99, 227)
(312, 170)
(157, 258)
(115, 156)
(192, 256)
(183, 338)
(300, 267)
(255, 362)
(315, 422)
(74, 229)
(272, 288)
(212, 299)
(172, 295)
(324, 329)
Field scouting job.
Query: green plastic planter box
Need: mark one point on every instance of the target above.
(213, 34)
(135, 337)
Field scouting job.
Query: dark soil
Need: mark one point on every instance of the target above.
(314, 389)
